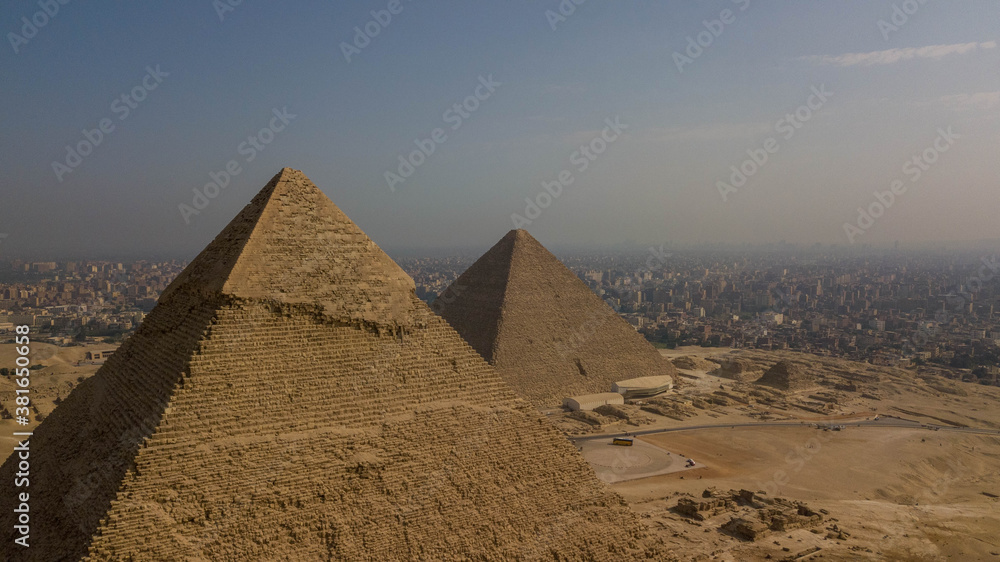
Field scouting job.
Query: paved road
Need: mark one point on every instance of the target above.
(883, 421)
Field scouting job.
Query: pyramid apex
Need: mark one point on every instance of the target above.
(288, 179)
(292, 245)
(290, 174)
(518, 236)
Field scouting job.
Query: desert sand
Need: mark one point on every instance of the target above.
(896, 489)
(65, 367)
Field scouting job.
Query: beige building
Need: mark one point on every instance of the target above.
(643, 387)
(588, 402)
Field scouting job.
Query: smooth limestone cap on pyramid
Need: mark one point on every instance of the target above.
(290, 398)
(543, 329)
(292, 245)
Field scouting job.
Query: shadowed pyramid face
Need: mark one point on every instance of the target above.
(544, 330)
(290, 398)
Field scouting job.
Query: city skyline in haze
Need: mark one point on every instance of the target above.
(444, 125)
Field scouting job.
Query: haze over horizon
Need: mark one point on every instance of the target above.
(675, 119)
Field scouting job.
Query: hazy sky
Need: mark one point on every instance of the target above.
(218, 79)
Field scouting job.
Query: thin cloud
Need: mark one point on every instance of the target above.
(564, 88)
(708, 132)
(892, 56)
(580, 137)
(978, 100)
(546, 118)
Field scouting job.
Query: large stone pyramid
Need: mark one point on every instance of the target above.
(544, 330)
(290, 398)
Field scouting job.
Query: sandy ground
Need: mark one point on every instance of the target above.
(643, 459)
(906, 494)
(49, 385)
(900, 493)
(694, 350)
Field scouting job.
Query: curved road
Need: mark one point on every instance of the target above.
(883, 421)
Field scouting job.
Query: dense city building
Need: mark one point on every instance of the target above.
(883, 308)
(83, 298)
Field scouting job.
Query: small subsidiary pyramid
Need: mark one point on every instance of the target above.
(543, 329)
(786, 375)
(290, 398)
(738, 369)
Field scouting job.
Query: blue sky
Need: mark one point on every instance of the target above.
(657, 182)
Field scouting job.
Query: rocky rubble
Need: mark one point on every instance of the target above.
(754, 515)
